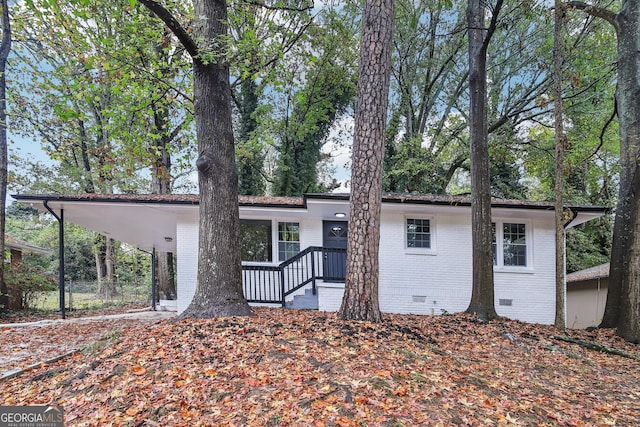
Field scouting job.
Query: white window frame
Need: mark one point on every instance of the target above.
(278, 241)
(275, 253)
(499, 241)
(274, 235)
(432, 235)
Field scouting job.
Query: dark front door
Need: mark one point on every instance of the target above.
(334, 241)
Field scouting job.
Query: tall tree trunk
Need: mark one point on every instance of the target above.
(625, 251)
(161, 179)
(5, 48)
(360, 301)
(622, 310)
(561, 138)
(110, 264)
(165, 276)
(105, 265)
(219, 288)
(482, 294)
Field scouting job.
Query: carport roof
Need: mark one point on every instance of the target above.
(149, 220)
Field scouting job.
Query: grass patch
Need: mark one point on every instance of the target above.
(50, 301)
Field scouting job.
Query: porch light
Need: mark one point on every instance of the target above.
(340, 214)
(168, 239)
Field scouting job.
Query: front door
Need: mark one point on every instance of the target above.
(334, 241)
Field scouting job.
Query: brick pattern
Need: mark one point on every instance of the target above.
(187, 259)
(433, 282)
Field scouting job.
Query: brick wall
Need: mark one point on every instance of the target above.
(439, 281)
(187, 259)
(423, 282)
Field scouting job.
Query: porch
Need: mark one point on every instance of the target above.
(274, 284)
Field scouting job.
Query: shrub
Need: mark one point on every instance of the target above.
(24, 286)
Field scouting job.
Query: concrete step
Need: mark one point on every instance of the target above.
(308, 301)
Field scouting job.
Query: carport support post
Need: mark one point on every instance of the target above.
(153, 279)
(60, 219)
(61, 266)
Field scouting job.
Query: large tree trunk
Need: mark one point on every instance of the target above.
(161, 179)
(482, 295)
(105, 266)
(5, 48)
(165, 276)
(558, 115)
(219, 288)
(622, 310)
(623, 303)
(360, 300)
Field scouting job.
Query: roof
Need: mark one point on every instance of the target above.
(151, 220)
(301, 201)
(171, 199)
(14, 243)
(449, 200)
(593, 273)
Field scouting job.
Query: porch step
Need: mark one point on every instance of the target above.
(308, 301)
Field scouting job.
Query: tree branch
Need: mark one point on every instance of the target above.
(172, 23)
(262, 4)
(599, 12)
(493, 25)
(604, 129)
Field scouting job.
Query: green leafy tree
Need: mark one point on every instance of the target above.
(261, 38)
(123, 109)
(219, 283)
(560, 143)
(426, 141)
(250, 151)
(41, 230)
(309, 109)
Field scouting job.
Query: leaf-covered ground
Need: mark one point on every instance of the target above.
(22, 345)
(307, 368)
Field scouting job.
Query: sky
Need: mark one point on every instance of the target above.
(27, 149)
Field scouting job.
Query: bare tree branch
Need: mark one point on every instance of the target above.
(493, 25)
(263, 5)
(599, 12)
(172, 23)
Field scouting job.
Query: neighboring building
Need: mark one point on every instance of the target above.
(425, 246)
(17, 247)
(587, 296)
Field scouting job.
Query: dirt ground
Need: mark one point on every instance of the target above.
(23, 344)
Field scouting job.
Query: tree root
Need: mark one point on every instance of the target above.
(592, 345)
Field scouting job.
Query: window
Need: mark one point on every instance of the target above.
(510, 244)
(418, 233)
(255, 240)
(288, 240)
(514, 245)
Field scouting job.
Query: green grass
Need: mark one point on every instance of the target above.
(50, 301)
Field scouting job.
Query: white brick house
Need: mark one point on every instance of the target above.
(425, 246)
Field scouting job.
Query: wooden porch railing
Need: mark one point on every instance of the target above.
(272, 284)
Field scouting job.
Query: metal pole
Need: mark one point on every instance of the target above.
(153, 279)
(60, 219)
(61, 266)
